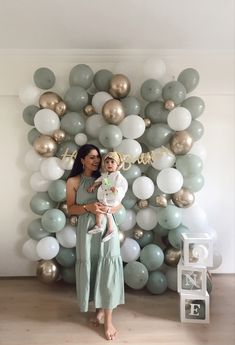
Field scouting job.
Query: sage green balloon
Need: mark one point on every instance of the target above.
(152, 257)
(66, 146)
(102, 80)
(131, 105)
(132, 173)
(159, 134)
(57, 190)
(44, 78)
(160, 231)
(195, 105)
(53, 220)
(196, 130)
(110, 136)
(66, 257)
(174, 91)
(81, 75)
(66, 175)
(157, 192)
(33, 134)
(146, 239)
(68, 274)
(194, 183)
(72, 123)
(120, 215)
(189, 77)
(169, 217)
(76, 98)
(189, 164)
(129, 200)
(135, 275)
(174, 235)
(29, 113)
(36, 231)
(156, 112)
(151, 90)
(103, 150)
(157, 283)
(152, 173)
(41, 202)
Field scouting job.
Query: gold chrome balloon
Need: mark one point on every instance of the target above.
(161, 200)
(172, 256)
(169, 104)
(147, 122)
(119, 86)
(49, 100)
(89, 110)
(113, 111)
(73, 220)
(138, 233)
(121, 236)
(48, 271)
(45, 146)
(59, 135)
(183, 198)
(181, 143)
(142, 203)
(60, 108)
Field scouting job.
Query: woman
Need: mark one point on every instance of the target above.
(99, 269)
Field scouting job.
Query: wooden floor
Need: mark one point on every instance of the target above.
(32, 313)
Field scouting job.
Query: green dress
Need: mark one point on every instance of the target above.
(99, 268)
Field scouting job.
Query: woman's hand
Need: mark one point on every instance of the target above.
(96, 207)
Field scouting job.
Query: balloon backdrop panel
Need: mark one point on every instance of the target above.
(158, 135)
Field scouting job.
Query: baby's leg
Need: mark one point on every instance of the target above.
(98, 227)
(109, 233)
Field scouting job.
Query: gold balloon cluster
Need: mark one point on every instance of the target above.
(48, 271)
(51, 100)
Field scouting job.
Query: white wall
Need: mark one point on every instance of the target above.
(216, 88)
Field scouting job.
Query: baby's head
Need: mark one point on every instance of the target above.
(112, 161)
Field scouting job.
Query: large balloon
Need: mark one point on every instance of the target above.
(76, 98)
(113, 111)
(146, 218)
(131, 148)
(129, 222)
(44, 78)
(67, 236)
(50, 169)
(170, 217)
(73, 123)
(130, 250)
(38, 183)
(45, 146)
(81, 75)
(174, 91)
(195, 105)
(143, 187)
(135, 275)
(131, 105)
(152, 257)
(48, 271)
(29, 114)
(49, 100)
(181, 142)
(41, 202)
(102, 79)
(46, 121)
(189, 77)
(53, 220)
(29, 250)
(151, 90)
(179, 119)
(99, 100)
(132, 126)
(157, 283)
(29, 94)
(162, 158)
(94, 124)
(170, 180)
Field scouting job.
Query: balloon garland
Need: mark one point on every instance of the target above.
(163, 165)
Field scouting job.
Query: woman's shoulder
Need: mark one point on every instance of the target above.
(74, 181)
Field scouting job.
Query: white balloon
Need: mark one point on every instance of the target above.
(171, 278)
(80, 139)
(93, 125)
(47, 248)
(143, 187)
(29, 94)
(33, 160)
(130, 250)
(46, 121)
(162, 158)
(67, 236)
(38, 183)
(99, 99)
(67, 163)
(29, 250)
(132, 126)
(154, 67)
(146, 218)
(179, 118)
(199, 150)
(129, 221)
(50, 169)
(169, 180)
(195, 218)
(131, 148)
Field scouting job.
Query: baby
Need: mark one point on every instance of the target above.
(112, 189)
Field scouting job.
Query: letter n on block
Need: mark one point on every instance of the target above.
(194, 308)
(191, 280)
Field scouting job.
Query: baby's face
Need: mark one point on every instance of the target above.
(110, 165)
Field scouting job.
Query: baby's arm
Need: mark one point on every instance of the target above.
(93, 187)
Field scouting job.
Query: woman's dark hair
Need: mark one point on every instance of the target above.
(83, 151)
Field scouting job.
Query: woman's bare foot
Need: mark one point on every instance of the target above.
(98, 318)
(110, 331)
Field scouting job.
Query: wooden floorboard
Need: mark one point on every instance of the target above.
(32, 313)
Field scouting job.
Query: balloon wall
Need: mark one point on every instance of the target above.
(158, 134)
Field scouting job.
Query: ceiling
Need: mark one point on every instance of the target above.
(120, 24)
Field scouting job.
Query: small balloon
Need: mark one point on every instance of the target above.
(172, 256)
(183, 198)
(181, 142)
(169, 104)
(73, 220)
(147, 122)
(59, 135)
(119, 86)
(142, 203)
(121, 236)
(48, 271)
(138, 233)
(89, 110)
(60, 108)
(161, 200)
(49, 100)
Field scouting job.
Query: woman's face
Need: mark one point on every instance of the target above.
(91, 161)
